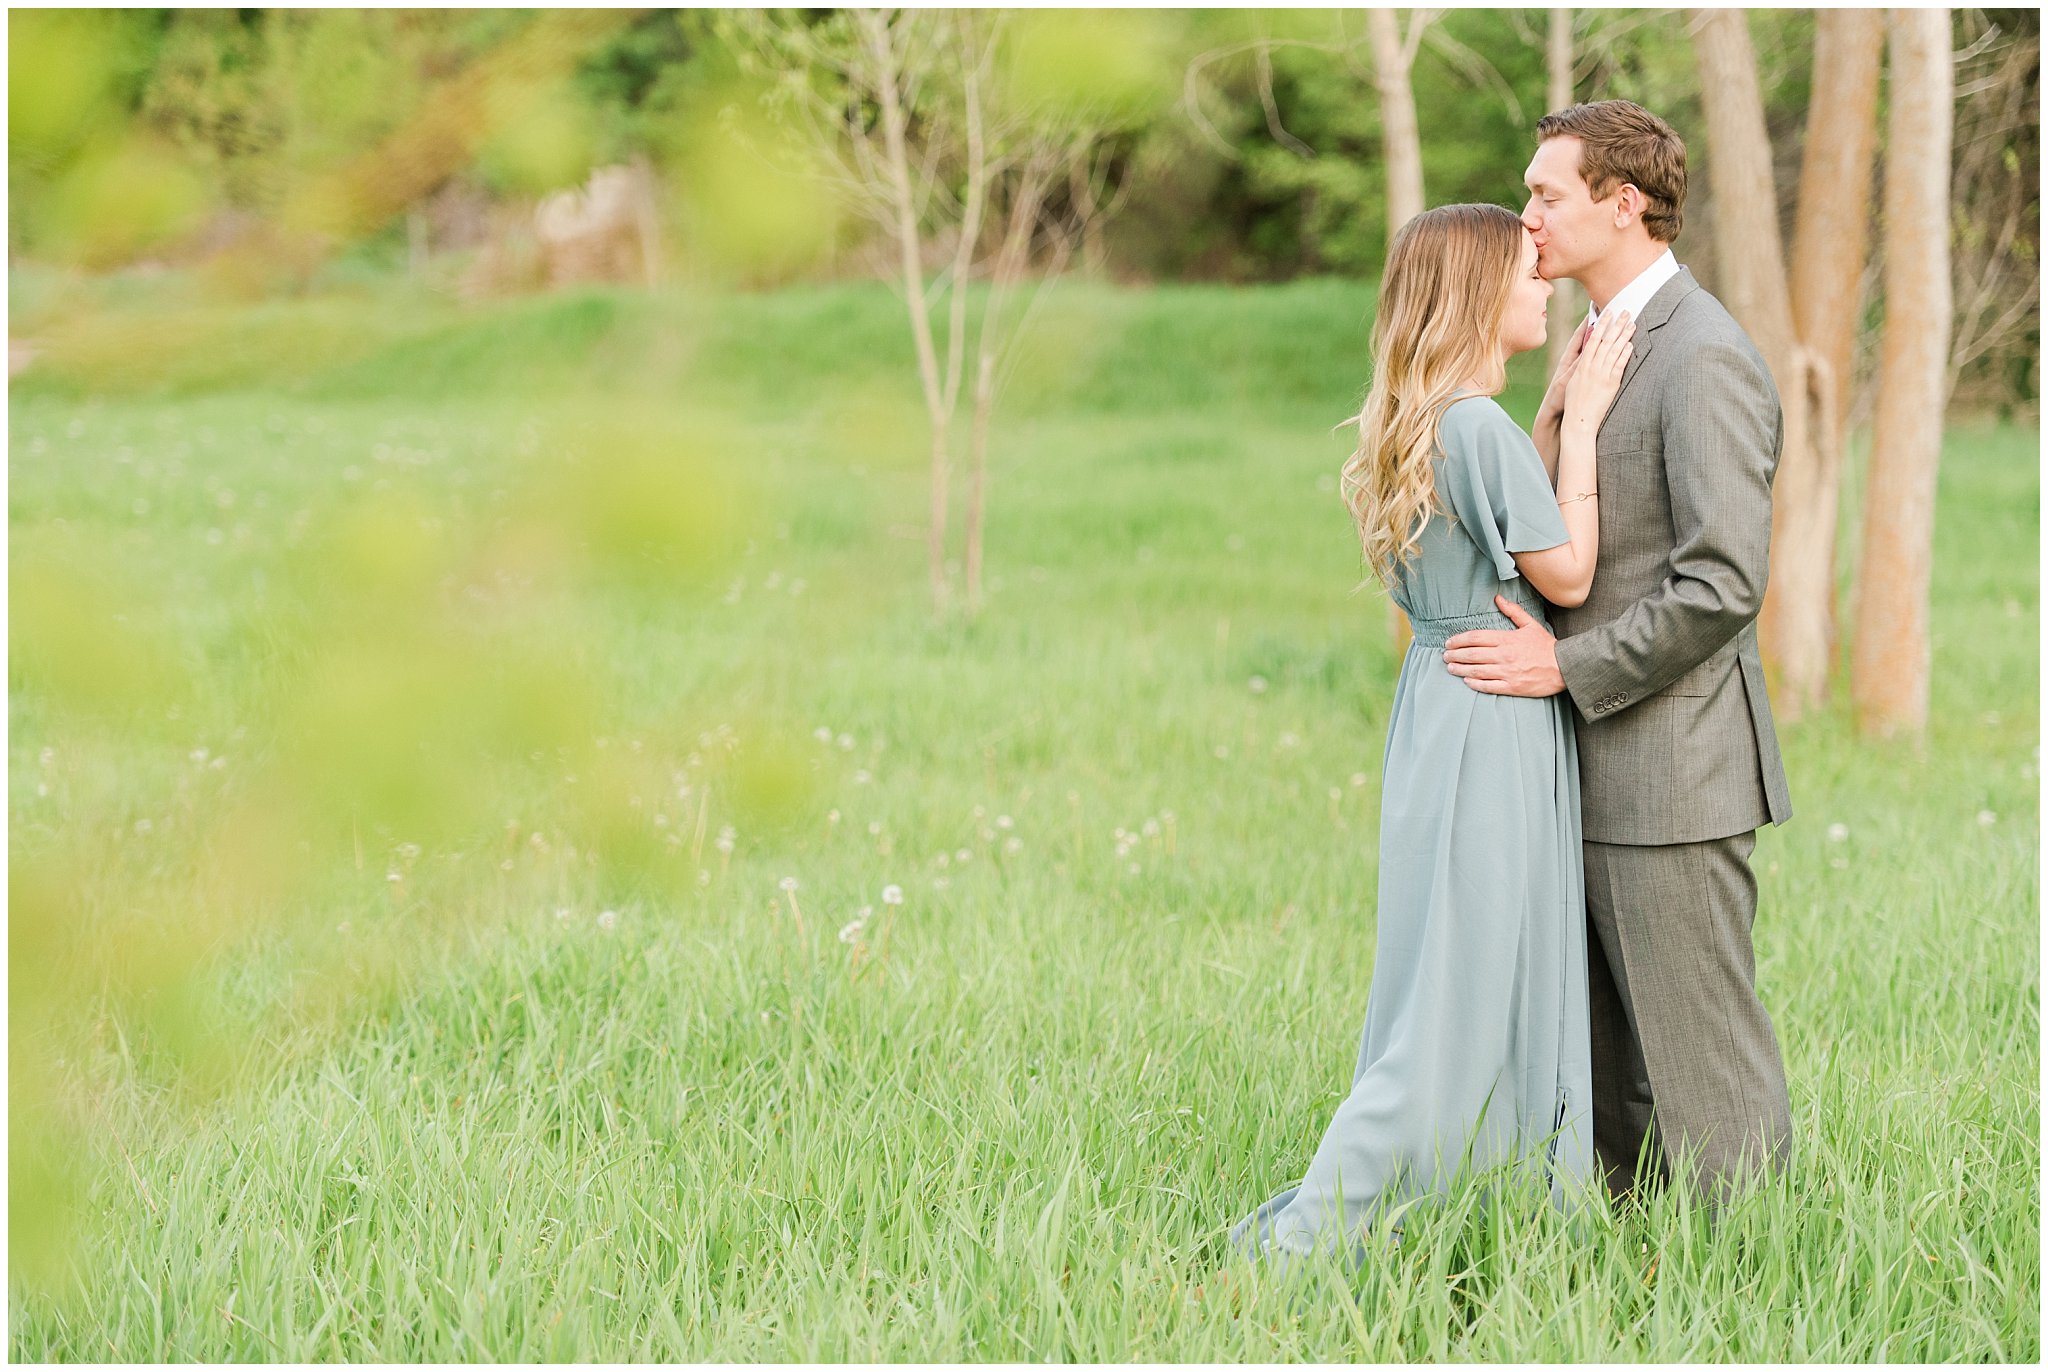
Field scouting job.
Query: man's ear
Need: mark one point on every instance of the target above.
(1629, 204)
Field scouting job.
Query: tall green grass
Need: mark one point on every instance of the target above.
(1132, 811)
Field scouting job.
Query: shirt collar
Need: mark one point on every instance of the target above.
(1636, 294)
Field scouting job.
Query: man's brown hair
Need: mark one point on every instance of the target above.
(1620, 141)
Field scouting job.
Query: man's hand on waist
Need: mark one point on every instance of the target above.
(1507, 662)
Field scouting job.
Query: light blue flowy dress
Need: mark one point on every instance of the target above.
(1475, 1052)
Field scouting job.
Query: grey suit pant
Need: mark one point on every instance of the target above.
(1686, 1070)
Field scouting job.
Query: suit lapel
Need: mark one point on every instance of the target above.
(1655, 316)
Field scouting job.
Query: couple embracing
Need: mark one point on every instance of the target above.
(1580, 750)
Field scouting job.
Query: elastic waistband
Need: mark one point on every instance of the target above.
(1436, 632)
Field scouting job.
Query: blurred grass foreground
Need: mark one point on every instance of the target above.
(506, 864)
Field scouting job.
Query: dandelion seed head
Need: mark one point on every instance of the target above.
(1987, 818)
(892, 895)
(1257, 685)
(788, 883)
(1003, 821)
(607, 919)
(1838, 832)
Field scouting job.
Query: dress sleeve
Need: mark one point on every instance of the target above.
(1495, 486)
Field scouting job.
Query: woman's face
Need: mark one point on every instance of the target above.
(1522, 328)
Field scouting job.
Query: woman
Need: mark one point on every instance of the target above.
(1475, 1047)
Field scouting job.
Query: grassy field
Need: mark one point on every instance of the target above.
(548, 1060)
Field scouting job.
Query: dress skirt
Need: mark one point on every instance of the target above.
(1475, 1050)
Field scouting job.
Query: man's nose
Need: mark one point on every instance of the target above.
(1531, 220)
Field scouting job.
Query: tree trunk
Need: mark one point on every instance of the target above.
(1567, 305)
(1750, 252)
(1829, 246)
(1892, 654)
(1401, 139)
(903, 199)
(1831, 241)
(1010, 262)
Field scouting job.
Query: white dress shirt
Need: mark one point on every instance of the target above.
(1636, 294)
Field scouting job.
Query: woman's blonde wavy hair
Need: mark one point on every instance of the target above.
(1442, 303)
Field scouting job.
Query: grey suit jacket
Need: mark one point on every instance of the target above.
(1675, 737)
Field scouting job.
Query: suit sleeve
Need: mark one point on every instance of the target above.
(1722, 430)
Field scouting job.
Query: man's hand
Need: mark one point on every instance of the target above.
(1507, 662)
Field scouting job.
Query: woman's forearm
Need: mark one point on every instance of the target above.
(1577, 488)
(1549, 420)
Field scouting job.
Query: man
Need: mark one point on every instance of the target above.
(1678, 760)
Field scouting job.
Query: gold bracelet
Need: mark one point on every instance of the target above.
(1582, 495)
